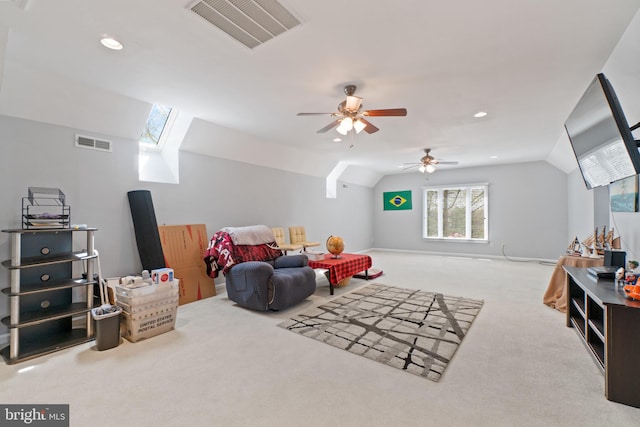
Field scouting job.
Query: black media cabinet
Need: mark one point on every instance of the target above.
(609, 325)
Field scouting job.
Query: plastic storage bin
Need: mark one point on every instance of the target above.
(149, 294)
(107, 328)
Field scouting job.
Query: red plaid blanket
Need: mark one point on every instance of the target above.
(222, 254)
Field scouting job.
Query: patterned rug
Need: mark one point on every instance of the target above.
(412, 330)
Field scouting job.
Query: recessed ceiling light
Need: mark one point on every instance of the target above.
(111, 43)
(337, 139)
(494, 157)
(480, 114)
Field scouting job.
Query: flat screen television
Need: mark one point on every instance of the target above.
(600, 136)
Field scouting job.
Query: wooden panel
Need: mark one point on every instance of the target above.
(622, 355)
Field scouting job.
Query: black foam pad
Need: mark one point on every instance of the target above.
(146, 229)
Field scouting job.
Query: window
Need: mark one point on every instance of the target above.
(159, 144)
(157, 125)
(456, 212)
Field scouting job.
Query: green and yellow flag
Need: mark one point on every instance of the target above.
(397, 200)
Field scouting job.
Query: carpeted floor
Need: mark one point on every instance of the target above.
(223, 365)
(409, 329)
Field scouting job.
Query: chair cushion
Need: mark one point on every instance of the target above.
(291, 261)
(291, 285)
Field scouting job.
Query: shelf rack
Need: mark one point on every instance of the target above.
(42, 306)
(607, 322)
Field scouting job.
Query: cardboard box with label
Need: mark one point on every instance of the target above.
(184, 247)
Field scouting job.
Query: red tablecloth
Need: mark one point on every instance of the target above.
(345, 266)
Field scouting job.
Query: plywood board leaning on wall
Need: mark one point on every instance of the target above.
(184, 247)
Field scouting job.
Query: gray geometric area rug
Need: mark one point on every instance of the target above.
(412, 330)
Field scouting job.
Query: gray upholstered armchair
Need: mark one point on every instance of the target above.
(257, 275)
(271, 285)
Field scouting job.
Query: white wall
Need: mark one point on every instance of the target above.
(580, 207)
(527, 211)
(212, 191)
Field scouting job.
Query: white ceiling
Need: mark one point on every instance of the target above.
(524, 62)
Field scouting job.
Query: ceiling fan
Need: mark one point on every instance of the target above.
(352, 118)
(427, 163)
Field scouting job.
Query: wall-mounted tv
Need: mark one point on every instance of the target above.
(600, 136)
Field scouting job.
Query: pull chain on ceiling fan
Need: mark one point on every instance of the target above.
(351, 118)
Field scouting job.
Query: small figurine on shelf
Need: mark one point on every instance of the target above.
(631, 275)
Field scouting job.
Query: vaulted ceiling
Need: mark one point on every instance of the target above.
(525, 63)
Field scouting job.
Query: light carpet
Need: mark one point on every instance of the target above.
(413, 330)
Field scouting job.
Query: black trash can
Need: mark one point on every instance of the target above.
(107, 326)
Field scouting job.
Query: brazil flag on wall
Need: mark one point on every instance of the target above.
(397, 200)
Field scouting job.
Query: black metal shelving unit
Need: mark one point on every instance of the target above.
(42, 306)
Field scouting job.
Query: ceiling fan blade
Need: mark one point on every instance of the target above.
(316, 114)
(439, 162)
(369, 128)
(329, 126)
(387, 112)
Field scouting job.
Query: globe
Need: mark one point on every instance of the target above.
(335, 246)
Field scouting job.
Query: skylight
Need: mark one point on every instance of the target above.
(156, 125)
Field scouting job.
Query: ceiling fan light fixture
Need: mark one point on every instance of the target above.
(353, 103)
(430, 168)
(345, 125)
(342, 131)
(422, 168)
(358, 125)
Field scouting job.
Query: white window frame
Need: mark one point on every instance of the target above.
(440, 189)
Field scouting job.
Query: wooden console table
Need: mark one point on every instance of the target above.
(342, 268)
(608, 323)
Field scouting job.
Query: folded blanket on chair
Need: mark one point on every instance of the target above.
(250, 235)
(222, 254)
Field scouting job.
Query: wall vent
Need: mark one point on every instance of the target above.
(251, 22)
(93, 143)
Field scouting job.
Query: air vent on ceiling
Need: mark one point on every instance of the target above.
(251, 22)
(93, 143)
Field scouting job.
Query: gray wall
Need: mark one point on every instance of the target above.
(527, 211)
(581, 207)
(212, 191)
